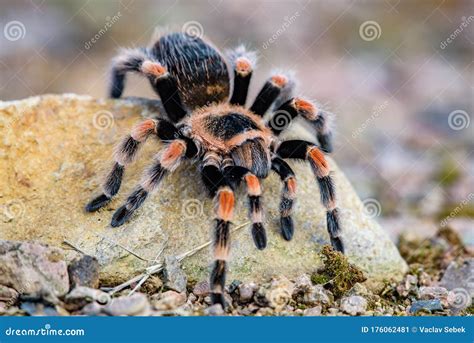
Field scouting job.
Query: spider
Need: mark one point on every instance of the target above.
(209, 124)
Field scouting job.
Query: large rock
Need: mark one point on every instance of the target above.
(55, 150)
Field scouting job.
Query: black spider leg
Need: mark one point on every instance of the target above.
(269, 94)
(288, 196)
(319, 119)
(166, 161)
(140, 61)
(303, 150)
(254, 195)
(129, 60)
(243, 63)
(125, 153)
(166, 86)
(220, 187)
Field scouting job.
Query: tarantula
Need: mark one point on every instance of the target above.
(231, 143)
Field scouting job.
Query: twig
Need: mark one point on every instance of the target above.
(147, 275)
(69, 244)
(131, 252)
(159, 266)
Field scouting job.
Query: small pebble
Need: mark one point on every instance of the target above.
(202, 289)
(175, 278)
(152, 285)
(246, 291)
(8, 295)
(192, 298)
(428, 293)
(81, 296)
(170, 300)
(92, 309)
(316, 295)
(84, 271)
(313, 311)
(214, 310)
(303, 281)
(427, 305)
(354, 305)
(134, 305)
(358, 289)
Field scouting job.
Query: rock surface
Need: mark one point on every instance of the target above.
(84, 271)
(55, 150)
(31, 268)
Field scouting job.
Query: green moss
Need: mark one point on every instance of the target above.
(448, 173)
(428, 254)
(455, 210)
(338, 274)
(469, 310)
(450, 236)
(319, 279)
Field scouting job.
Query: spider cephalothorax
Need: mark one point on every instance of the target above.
(231, 144)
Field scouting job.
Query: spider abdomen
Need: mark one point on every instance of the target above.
(200, 70)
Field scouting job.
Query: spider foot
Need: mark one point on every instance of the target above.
(218, 298)
(120, 216)
(259, 236)
(97, 203)
(287, 228)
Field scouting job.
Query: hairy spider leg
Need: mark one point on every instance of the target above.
(288, 196)
(303, 150)
(319, 119)
(126, 152)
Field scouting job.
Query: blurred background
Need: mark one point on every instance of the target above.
(398, 74)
